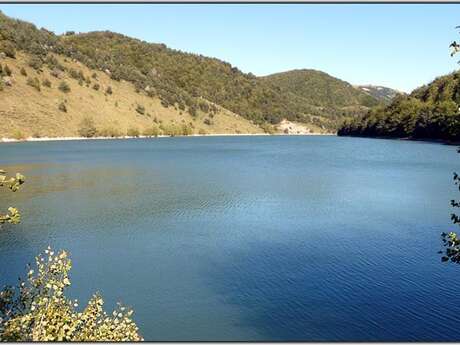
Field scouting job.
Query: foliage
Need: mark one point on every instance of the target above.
(23, 72)
(35, 62)
(140, 109)
(87, 128)
(62, 107)
(152, 131)
(13, 183)
(96, 86)
(7, 71)
(8, 48)
(34, 82)
(110, 132)
(46, 82)
(18, 135)
(450, 240)
(108, 90)
(429, 112)
(132, 132)
(64, 87)
(269, 129)
(37, 310)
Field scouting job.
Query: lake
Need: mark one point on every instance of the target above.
(246, 238)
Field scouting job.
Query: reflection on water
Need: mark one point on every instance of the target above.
(246, 238)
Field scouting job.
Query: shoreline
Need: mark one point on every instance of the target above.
(45, 139)
(424, 140)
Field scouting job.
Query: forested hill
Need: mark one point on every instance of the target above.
(429, 112)
(190, 82)
(320, 89)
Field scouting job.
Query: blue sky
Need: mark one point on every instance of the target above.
(395, 45)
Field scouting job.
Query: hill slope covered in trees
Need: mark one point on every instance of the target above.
(182, 82)
(429, 112)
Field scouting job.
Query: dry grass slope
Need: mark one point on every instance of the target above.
(27, 112)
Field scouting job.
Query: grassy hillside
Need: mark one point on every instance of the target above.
(181, 82)
(26, 111)
(429, 112)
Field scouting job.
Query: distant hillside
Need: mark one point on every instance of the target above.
(320, 89)
(179, 82)
(381, 93)
(429, 112)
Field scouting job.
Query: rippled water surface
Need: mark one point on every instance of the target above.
(246, 238)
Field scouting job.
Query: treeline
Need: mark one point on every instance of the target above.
(429, 112)
(179, 79)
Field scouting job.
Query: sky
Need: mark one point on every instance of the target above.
(402, 46)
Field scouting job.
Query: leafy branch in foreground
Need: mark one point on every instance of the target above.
(13, 216)
(37, 309)
(451, 240)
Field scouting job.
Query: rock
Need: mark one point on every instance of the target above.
(7, 81)
(107, 72)
(2, 55)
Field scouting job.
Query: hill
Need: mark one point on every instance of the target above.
(319, 89)
(429, 112)
(381, 93)
(35, 105)
(172, 81)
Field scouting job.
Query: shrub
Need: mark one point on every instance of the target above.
(108, 91)
(62, 107)
(18, 135)
(152, 131)
(193, 111)
(7, 71)
(46, 82)
(8, 48)
(38, 310)
(207, 121)
(35, 62)
(64, 87)
(23, 72)
(110, 132)
(140, 109)
(87, 128)
(96, 87)
(133, 132)
(269, 129)
(34, 82)
(94, 75)
(186, 130)
(202, 132)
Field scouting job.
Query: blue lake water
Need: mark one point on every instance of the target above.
(246, 238)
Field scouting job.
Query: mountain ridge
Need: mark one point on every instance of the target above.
(185, 82)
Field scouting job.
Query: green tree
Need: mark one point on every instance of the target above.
(13, 216)
(37, 309)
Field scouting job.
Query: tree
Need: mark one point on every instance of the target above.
(450, 240)
(87, 128)
(13, 216)
(64, 87)
(37, 309)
